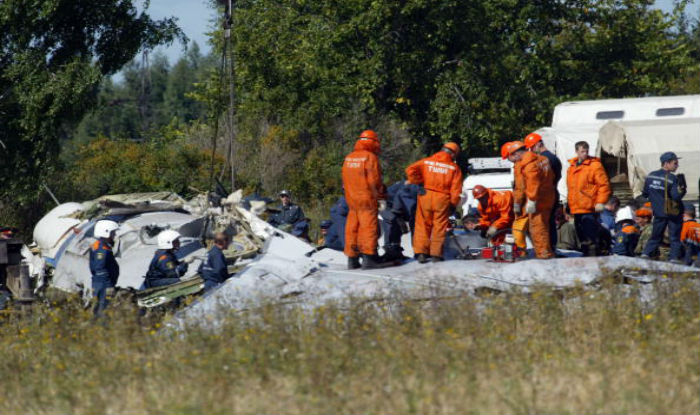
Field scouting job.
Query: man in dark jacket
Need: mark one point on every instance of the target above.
(165, 268)
(103, 265)
(214, 270)
(391, 225)
(662, 189)
(405, 203)
(289, 214)
(335, 238)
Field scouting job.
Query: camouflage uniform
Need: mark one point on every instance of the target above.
(644, 236)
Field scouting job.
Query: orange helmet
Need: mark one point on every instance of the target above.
(479, 191)
(644, 212)
(453, 147)
(504, 150)
(510, 148)
(532, 139)
(370, 135)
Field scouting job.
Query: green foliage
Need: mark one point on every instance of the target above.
(106, 166)
(53, 54)
(480, 72)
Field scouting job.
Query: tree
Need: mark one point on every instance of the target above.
(53, 55)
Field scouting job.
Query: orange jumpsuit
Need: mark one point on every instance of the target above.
(520, 223)
(442, 180)
(362, 181)
(539, 187)
(498, 212)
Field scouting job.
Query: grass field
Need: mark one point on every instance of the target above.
(592, 352)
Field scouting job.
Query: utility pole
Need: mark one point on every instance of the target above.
(228, 25)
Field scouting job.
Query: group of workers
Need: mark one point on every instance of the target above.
(531, 209)
(165, 267)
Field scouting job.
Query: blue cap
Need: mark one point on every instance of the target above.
(325, 224)
(668, 156)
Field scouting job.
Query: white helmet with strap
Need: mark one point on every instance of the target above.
(104, 228)
(167, 238)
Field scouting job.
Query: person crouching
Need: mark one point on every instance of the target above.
(165, 268)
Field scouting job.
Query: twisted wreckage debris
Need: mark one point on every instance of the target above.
(271, 265)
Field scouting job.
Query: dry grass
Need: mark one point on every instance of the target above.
(601, 352)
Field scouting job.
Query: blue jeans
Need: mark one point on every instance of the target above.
(100, 284)
(674, 223)
(691, 250)
(587, 228)
(553, 224)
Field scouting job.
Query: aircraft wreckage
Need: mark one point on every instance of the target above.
(271, 265)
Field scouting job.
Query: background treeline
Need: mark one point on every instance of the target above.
(308, 77)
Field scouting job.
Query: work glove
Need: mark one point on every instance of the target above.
(382, 204)
(491, 231)
(599, 207)
(531, 206)
(517, 209)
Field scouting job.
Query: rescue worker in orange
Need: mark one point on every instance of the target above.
(589, 190)
(533, 141)
(495, 213)
(362, 181)
(534, 174)
(442, 181)
(520, 222)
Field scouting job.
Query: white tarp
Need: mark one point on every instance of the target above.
(642, 142)
(283, 274)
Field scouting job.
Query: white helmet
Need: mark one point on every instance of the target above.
(104, 228)
(624, 214)
(166, 239)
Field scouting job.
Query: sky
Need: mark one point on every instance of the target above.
(195, 19)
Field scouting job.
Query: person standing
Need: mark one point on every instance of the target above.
(165, 268)
(537, 179)
(442, 180)
(362, 181)
(214, 270)
(103, 265)
(533, 141)
(662, 189)
(589, 190)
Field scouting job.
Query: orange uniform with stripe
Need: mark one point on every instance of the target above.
(538, 181)
(362, 181)
(690, 233)
(496, 212)
(442, 180)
